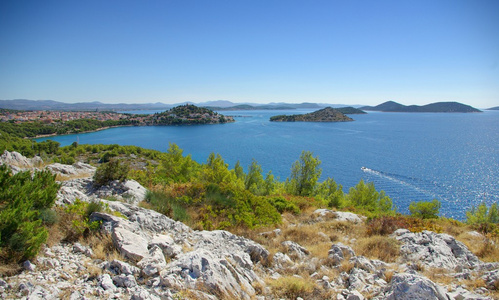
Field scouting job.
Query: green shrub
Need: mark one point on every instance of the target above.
(425, 209)
(48, 216)
(80, 213)
(330, 193)
(282, 205)
(482, 214)
(23, 198)
(108, 172)
(167, 205)
(365, 197)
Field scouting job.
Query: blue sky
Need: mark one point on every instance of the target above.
(352, 52)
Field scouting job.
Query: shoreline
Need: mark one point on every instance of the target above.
(88, 131)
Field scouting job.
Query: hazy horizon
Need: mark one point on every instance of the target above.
(345, 52)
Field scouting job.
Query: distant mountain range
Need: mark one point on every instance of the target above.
(391, 106)
(493, 108)
(23, 104)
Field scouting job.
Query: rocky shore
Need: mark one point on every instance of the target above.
(160, 258)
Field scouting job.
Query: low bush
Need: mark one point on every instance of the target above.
(24, 200)
(108, 172)
(425, 209)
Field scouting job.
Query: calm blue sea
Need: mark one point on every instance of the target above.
(411, 156)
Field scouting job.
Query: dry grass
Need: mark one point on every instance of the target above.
(102, 246)
(9, 269)
(389, 275)
(291, 287)
(488, 251)
(486, 248)
(60, 177)
(437, 275)
(346, 266)
(378, 247)
(93, 271)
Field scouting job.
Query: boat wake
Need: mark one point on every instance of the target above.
(424, 187)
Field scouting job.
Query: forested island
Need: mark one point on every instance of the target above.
(447, 107)
(350, 110)
(327, 114)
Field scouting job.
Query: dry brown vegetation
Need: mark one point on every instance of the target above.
(379, 247)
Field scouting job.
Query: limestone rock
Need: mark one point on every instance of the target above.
(28, 266)
(462, 294)
(16, 159)
(323, 213)
(129, 191)
(295, 249)
(126, 281)
(120, 267)
(281, 261)
(167, 244)
(492, 279)
(340, 252)
(78, 248)
(106, 282)
(126, 236)
(78, 169)
(218, 275)
(435, 250)
(153, 263)
(406, 286)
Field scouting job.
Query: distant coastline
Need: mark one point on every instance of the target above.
(437, 107)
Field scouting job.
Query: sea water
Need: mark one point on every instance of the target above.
(452, 157)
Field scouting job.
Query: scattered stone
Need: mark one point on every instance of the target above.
(462, 294)
(28, 266)
(340, 252)
(295, 249)
(121, 267)
(79, 248)
(106, 282)
(281, 261)
(126, 281)
(492, 279)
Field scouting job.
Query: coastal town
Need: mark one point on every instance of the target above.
(180, 115)
(46, 116)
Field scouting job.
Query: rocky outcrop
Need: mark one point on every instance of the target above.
(435, 250)
(410, 286)
(78, 169)
(17, 162)
(323, 214)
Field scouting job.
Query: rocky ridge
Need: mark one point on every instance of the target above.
(165, 259)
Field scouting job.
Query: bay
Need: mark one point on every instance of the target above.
(452, 157)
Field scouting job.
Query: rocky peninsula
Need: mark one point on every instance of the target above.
(327, 114)
(150, 256)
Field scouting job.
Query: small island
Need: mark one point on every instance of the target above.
(327, 114)
(348, 110)
(186, 115)
(437, 107)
